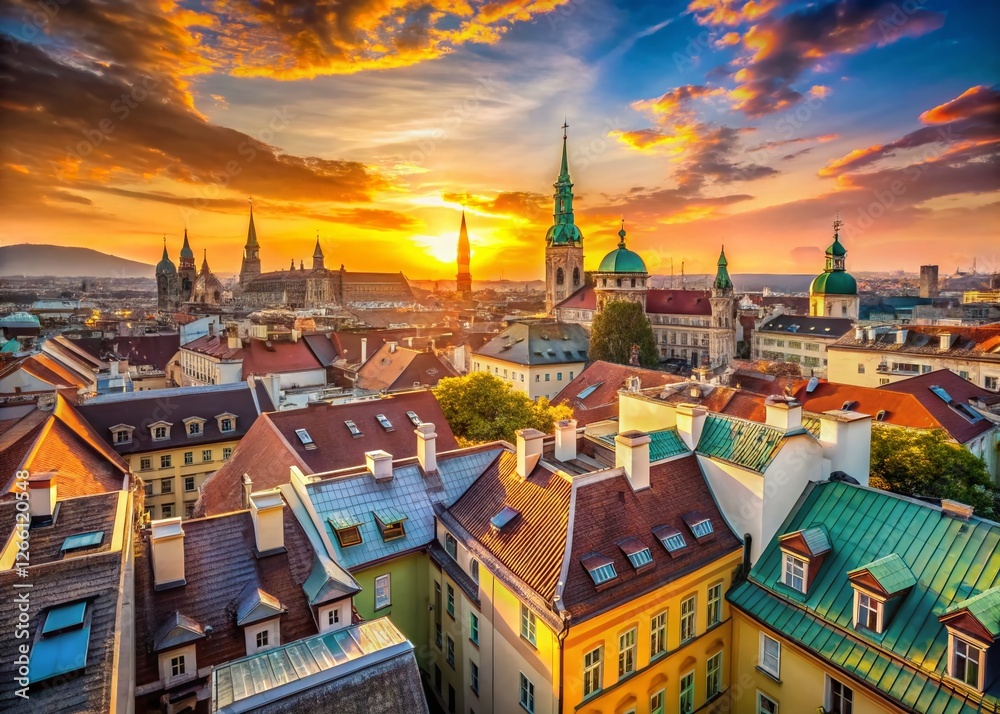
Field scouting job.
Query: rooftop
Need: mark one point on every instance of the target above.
(981, 343)
(539, 343)
(659, 301)
(827, 327)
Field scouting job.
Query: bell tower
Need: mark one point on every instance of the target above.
(563, 241)
(722, 339)
(250, 268)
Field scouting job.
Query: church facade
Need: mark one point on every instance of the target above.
(697, 326)
(183, 285)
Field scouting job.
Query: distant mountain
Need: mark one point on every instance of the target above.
(62, 262)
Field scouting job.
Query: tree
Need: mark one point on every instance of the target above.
(621, 324)
(925, 463)
(481, 407)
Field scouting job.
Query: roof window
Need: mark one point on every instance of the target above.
(503, 519)
(353, 428)
(384, 422)
(307, 441)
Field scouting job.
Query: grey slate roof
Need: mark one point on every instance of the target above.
(804, 326)
(409, 491)
(539, 343)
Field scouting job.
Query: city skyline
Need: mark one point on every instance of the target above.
(700, 123)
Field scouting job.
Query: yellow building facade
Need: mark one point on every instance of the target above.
(172, 477)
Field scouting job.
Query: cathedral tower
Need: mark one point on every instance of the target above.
(722, 340)
(563, 242)
(318, 256)
(167, 282)
(834, 293)
(186, 270)
(250, 268)
(463, 281)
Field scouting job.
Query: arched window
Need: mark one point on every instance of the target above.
(560, 277)
(576, 277)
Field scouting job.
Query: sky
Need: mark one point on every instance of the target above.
(373, 123)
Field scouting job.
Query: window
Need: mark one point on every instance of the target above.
(414, 419)
(262, 639)
(766, 705)
(713, 675)
(189, 483)
(861, 370)
(527, 698)
(715, 604)
(333, 617)
(226, 453)
(528, 624)
(168, 510)
(437, 614)
(226, 425)
(547, 375)
(474, 628)
(991, 383)
(159, 433)
(656, 702)
(123, 436)
(841, 698)
(166, 485)
(206, 455)
(626, 653)
(353, 428)
(177, 667)
(474, 570)
(769, 658)
(687, 618)
(383, 597)
(795, 573)
(384, 422)
(474, 676)
(451, 601)
(188, 458)
(868, 612)
(348, 536)
(166, 461)
(658, 635)
(558, 376)
(145, 464)
(194, 428)
(450, 650)
(965, 662)
(593, 671)
(687, 693)
(148, 488)
(451, 545)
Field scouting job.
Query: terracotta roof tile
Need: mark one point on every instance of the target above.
(606, 378)
(283, 357)
(401, 368)
(658, 301)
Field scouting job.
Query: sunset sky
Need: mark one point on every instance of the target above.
(373, 122)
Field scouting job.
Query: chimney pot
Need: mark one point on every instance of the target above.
(379, 465)
(364, 350)
(782, 413)
(427, 447)
(166, 544)
(266, 508)
(566, 440)
(690, 422)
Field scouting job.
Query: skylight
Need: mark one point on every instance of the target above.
(353, 428)
(384, 421)
(587, 391)
(307, 441)
(62, 646)
(968, 412)
(414, 418)
(640, 558)
(503, 519)
(603, 573)
(83, 540)
(64, 617)
(942, 394)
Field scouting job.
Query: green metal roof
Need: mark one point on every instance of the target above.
(663, 444)
(985, 607)
(622, 260)
(951, 561)
(812, 425)
(389, 514)
(722, 279)
(890, 572)
(836, 248)
(741, 442)
(339, 520)
(816, 540)
(836, 282)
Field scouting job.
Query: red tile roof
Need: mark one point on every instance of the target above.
(658, 301)
(281, 357)
(152, 350)
(960, 390)
(609, 378)
(271, 446)
(402, 368)
(215, 346)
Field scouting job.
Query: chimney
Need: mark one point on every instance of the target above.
(900, 337)
(166, 545)
(782, 413)
(235, 342)
(847, 441)
(268, 524)
(379, 465)
(247, 483)
(42, 498)
(364, 350)
(690, 421)
(955, 509)
(566, 440)
(632, 454)
(392, 347)
(947, 340)
(529, 450)
(695, 392)
(211, 329)
(859, 334)
(426, 447)
(113, 368)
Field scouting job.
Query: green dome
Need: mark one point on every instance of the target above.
(836, 248)
(564, 234)
(165, 265)
(621, 259)
(836, 282)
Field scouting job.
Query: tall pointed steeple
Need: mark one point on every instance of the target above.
(165, 266)
(563, 230)
(563, 241)
(318, 255)
(251, 231)
(187, 255)
(722, 279)
(204, 263)
(250, 268)
(463, 281)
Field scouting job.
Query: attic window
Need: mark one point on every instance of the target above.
(702, 529)
(802, 552)
(307, 441)
(347, 528)
(414, 418)
(160, 430)
(846, 406)
(384, 421)
(637, 553)
(353, 428)
(503, 519)
(194, 428)
(600, 568)
(227, 422)
(671, 538)
(62, 645)
(882, 413)
(878, 590)
(82, 540)
(588, 391)
(122, 434)
(390, 523)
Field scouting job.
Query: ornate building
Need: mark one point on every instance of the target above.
(177, 287)
(463, 281)
(697, 326)
(563, 242)
(834, 292)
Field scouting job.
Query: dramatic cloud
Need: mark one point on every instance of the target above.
(730, 12)
(980, 101)
(519, 205)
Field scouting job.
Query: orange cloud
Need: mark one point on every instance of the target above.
(728, 40)
(730, 12)
(975, 101)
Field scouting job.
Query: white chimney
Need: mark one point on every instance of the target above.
(247, 484)
(268, 523)
(846, 438)
(166, 545)
(859, 334)
(784, 414)
(392, 347)
(529, 450)
(695, 391)
(113, 369)
(364, 350)
(379, 465)
(900, 337)
(42, 496)
(632, 454)
(566, 440)
(690, 421)
(947, 340)
(426, 447)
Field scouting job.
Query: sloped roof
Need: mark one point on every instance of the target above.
(539, 343)
(972, 342)
(890, 572)
(152, 350)
(792, 326)
(663, 444)
(215, 346)
(950, 419)
(271, 446)
(659, 301)
(951, 560)
(985, 607)
(281, 357)
(599, 383)
(402, 368)
(748, 444)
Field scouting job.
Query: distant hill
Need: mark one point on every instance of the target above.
(63, 262)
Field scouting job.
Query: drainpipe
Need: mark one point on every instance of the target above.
(562, 656)
(747, 545)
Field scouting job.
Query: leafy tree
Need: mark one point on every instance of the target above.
(925, 463)
(621, 324)
(481, 407)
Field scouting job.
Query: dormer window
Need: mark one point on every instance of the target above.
(390, 523)
(671, 539)
(802, 554)
(966, 663)
(973, 629)
(879, 588)
(700, 526)
(160, 430)
(347, 528)
(227, 422)
(122, 434)
(194, 426)
(637, 553)
(600, 568)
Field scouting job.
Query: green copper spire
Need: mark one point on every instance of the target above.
(722, 279)
(563, 230)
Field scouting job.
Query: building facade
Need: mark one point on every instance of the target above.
(800, 340)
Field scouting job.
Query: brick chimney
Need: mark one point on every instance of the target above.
(566, 440)
(379, 465)
(166, 545)
(690, 421)
(266, 509)
(426, 447)
(42, 497)
(529, 450)
(632, 454)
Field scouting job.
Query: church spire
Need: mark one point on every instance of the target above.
(564, 168)
(250, 268)
(204, 263)
(251, 231)
(463, 281)
(563, 230)
(317, 255)
(722, 279)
